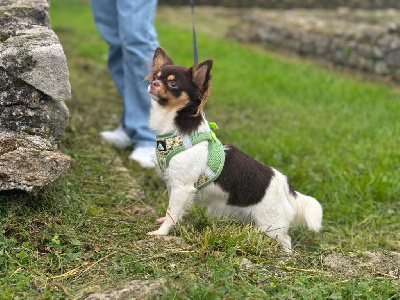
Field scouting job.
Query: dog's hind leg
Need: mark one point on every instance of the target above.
(278, 233)
(273, 216)
(180, 197)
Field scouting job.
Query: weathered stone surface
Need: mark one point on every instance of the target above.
(26, 109)
(35, 56)
(368, 41)
(19, 14)
(135, 289)
(29, 162)
(33, 86)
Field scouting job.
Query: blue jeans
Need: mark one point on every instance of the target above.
(128, 28)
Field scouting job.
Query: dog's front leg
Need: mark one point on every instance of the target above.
(179, 198)
(161, 220)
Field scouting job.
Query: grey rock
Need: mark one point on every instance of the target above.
(246, 264)
(29, 168)
(394, 28)
(33, 86)
(384, 42)
(22, 13)
(395, 43)
(27, 110)
(393, 58)
(35, 56)
(381, 68)
(377, 53)
(28, 162)
(322, 46)
(364, 50)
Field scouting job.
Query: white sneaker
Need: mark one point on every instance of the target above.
(117, 138)
(144, 156)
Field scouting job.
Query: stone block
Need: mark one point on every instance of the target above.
(356, 39)
(34, 84)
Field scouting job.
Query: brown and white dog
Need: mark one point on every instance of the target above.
(245, 188)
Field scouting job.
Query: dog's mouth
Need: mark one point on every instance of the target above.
(157, 99)
(152, 93)
(155, 95)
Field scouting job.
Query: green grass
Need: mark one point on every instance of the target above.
(336, 136)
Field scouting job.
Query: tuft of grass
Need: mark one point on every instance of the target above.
(336, 137)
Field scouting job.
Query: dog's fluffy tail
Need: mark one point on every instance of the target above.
(308, 211)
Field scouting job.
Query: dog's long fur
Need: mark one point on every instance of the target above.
(246, 189)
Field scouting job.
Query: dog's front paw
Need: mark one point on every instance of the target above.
(157, 232)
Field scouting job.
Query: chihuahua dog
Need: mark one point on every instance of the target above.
(196, 166)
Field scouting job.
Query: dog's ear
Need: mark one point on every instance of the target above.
(201, 77)
(160, 59)
(201, 73)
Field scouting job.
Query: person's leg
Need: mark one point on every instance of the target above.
(106, 19)
(139, 40)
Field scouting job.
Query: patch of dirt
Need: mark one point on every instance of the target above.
(135, 289)
(273, 270)
(167, 242)
(134, 192)
(381, 263)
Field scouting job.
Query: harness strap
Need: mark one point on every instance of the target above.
(171, 144)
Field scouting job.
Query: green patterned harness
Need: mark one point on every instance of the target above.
(171, 144)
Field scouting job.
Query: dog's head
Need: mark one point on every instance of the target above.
(179, 88)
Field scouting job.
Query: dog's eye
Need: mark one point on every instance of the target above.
(172, 84)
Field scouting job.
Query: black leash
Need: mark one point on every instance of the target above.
(196, 59)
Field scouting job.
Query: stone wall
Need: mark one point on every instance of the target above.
(354, 39)
(291, 4)
(33, 87)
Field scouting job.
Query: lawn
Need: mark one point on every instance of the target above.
(336, 136)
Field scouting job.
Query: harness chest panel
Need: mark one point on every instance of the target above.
(170, 145)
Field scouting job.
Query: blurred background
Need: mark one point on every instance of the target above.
(288, 4)
(359, 34)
